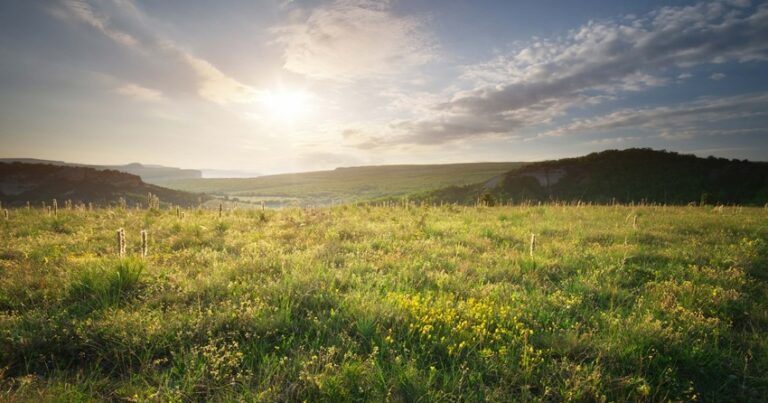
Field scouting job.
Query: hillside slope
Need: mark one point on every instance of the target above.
(21, 183)
(625, 176)
(346, 184)
(155, 174)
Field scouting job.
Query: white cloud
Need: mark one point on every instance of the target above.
(214, 85)
(138, 92)
(626, 55)
(352, 39)
(549, 77)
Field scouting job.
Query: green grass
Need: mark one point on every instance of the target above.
(346, 184)
(374, 304)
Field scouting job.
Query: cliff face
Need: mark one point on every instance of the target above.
(21, 183)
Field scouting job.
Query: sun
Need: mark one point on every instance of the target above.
(286, 104)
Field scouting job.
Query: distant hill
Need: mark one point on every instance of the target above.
(155, 174)
(228, 173)
(624, 176)
(346, 184)
(22, 182)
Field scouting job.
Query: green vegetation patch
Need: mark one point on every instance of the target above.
(642, 303)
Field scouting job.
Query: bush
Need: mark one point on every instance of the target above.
(487, 199)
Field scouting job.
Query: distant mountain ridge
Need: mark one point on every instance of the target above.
(155, 174)
(623, 176)
(23, 182)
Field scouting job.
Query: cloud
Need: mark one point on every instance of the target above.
(353, 39)
(547, 78)
(686, 119)
(444, 126)
(717, 76)
(211, 83)
(425, 132)
(615, 140)
(82, 10)
(627, 55)
(138, 92)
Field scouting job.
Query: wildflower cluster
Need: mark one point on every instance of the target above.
(220, 363)
(465, 327)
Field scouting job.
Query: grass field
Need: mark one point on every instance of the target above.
(403, 304)
(345, 184)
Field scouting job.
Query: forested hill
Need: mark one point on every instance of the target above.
(21, 183)
(631, 175)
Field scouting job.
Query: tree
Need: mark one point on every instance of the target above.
(487, 199)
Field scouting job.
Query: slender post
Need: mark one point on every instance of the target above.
(533, 244)
(144, 244)
(121, 242)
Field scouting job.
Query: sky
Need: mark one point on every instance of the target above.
(273, 86)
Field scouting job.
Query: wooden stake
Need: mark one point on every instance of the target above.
(121, 242)
(144, 243)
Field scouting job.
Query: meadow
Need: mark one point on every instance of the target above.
(404, 303)
(345, 185)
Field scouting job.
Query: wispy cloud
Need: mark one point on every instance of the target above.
(211, 84)
(82, 10)
(677, 121)
(717, 76)
(352, 39)
(549, 77)
(138, 92)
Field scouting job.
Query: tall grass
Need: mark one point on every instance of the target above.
(106, 285)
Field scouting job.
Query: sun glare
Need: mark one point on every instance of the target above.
(286, 104)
